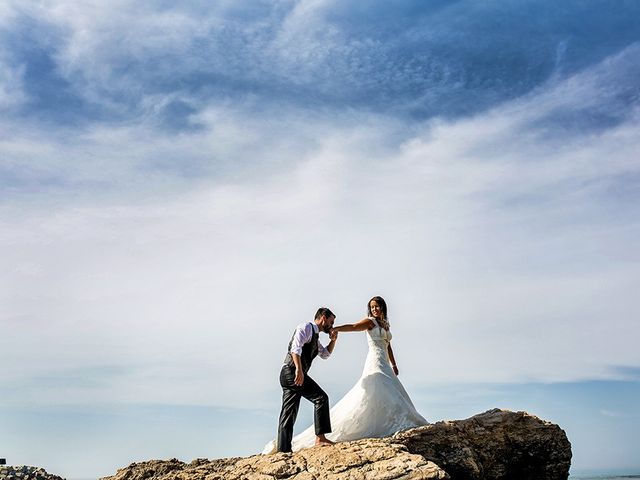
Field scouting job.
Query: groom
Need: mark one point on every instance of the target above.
(303, 348)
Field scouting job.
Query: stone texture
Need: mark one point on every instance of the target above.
(25, 472)
(496, 445)
(361, 460)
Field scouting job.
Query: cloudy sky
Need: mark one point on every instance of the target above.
(181, 185)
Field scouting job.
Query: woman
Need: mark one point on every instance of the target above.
(377, 405)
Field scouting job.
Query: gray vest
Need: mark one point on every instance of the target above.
(309, 352)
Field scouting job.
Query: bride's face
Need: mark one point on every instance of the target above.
(376, 311)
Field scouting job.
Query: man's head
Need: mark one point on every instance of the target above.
(324, 319)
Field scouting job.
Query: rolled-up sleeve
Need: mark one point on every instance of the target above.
(301, 336)
(322, 351)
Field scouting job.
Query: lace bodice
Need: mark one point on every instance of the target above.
(378, 356)
(378, 333)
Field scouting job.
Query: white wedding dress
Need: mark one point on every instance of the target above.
(376, 406)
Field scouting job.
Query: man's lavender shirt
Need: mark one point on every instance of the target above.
(302, 335)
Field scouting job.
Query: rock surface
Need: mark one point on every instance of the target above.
(497, 445)
(24, 472)
(364, 459)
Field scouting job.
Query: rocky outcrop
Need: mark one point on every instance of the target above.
(364, 459)
(496, 445)
(24, 472)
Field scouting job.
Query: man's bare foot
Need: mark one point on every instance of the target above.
(321, 440)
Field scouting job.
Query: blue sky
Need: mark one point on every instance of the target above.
(181, 185)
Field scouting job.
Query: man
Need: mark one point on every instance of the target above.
(303, 348)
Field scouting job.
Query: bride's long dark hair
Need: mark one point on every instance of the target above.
(383, 306)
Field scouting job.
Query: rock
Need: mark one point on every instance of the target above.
(496, 445)
(25, 472)
(361, 460)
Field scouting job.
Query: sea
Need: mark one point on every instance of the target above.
(604, 476)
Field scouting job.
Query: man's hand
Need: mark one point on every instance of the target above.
(299, 378)
(333, 335)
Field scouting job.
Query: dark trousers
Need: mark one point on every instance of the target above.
(291, 394)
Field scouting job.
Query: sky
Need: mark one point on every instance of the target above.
(180, 185)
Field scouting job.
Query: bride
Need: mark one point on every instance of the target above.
(377, 405)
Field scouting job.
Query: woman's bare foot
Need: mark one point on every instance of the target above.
(321, 440)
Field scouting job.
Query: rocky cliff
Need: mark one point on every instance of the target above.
(497, 445)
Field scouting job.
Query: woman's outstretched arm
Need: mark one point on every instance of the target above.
(361, 326)
(392, 359)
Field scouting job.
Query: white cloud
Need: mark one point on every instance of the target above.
(7, 13)
(610, 413)
(502, 250)
(96, 44)
(11, 86)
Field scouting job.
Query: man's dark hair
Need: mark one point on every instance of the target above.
(324, 311)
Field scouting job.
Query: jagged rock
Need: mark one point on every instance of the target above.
(25, 472)
(496, 445)
(361, 460)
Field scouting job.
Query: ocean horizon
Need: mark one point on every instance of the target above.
(604, 475)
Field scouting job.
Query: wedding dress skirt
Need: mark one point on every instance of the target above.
(376, 406)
